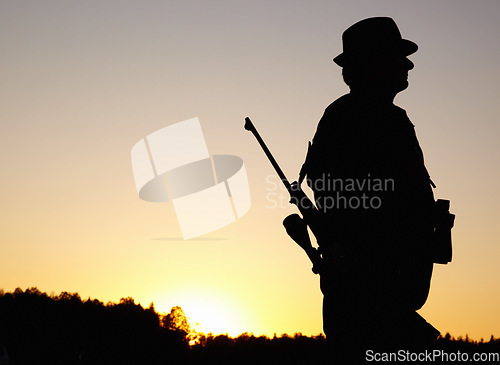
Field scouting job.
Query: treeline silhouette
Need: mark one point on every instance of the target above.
(37, 328)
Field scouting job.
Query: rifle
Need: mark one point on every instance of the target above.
(295, 226)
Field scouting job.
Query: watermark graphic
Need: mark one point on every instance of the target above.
(346, 193)
(207, 192)
(429, 356)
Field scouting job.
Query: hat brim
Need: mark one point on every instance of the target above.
(404, 46)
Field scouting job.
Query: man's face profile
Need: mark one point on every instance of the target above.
(385, 73)
(392, 71)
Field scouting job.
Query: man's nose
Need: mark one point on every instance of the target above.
(408, 64)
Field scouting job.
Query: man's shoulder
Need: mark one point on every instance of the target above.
(347, 104)
(340, 105)
(337, 113)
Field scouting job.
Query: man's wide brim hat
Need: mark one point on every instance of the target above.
(370, 37)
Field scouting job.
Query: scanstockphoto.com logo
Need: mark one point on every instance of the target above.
(207, 191)
(431, 356)
(356, 193)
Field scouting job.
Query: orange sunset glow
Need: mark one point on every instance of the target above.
(82, 82)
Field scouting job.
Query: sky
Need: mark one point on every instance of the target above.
(83, 81)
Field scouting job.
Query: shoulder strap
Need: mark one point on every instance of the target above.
(305, 166)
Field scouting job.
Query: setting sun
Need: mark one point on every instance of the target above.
(210, 312)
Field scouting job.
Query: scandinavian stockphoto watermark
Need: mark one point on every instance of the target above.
(349, 193)
(428, 356)
(207, 191)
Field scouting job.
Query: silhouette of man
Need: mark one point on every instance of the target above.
(367, 172)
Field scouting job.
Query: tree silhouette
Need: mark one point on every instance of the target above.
(177, 321)
(64, 329)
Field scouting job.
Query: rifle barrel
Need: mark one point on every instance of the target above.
(250, 127)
